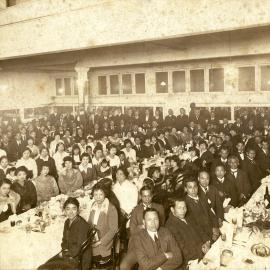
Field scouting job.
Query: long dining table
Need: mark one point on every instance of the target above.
(26, 246)
(241, 236)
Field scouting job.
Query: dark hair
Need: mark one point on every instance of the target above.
(26, 149)
(71, 200)
(174, 200)
(57, 146)
(86, 155)
(21, 169)
(104, 160)
(96, 149)
(68, 158)
(151, 171)
(12, 169)
(126, 141)
(5, 181)
(220, 164)
(190, 179)
(99, 186)
(149, 182)
(203, 171)
(123, 170)
(144, 188)
(150, 209)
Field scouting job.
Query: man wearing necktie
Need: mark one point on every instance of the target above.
(252, 169)
(185, 231)
(240, 178)
(137, 224)
(155, 246)
(201, 212)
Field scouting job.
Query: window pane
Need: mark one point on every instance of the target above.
(67, 83)
(102, 85)
(197, 80)
(58, 86)
(126, 84)
(162, 82)
(265, 78)
(140, 83)
(246, 79)
(216, 80)
(75, 81)
(114, 81)
(179, 82)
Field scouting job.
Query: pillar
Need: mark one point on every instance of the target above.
(82, 81)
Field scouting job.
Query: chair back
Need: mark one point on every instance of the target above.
(84, 246)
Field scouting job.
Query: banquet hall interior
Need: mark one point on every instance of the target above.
(134, 134)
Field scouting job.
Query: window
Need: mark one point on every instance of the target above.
(179, 82)
(58, 86)
(67, 84)
(126, 84)
(114, 82)
(197, 80)
(140, 83)
(216, 80)
(162, 82)
(102, 85)
(246, 79)
(265, 78)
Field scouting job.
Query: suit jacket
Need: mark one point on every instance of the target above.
(253, 172)
(150, 255)
(187, 237)
(88, 176)
(15, 150)
(228, 188)
(216, 162)
(241, 182)
(139, 152)
(74, 236)
(208, 157)
(263, 160)
(136, 218)
(170, 121)
(202, 216)
(181, 122)
(213, 199)
(107, 226)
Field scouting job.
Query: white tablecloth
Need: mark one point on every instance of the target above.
(26, 251)
(241, 246)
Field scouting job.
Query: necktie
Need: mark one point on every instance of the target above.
(157, 242)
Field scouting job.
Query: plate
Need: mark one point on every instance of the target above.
(260, 250)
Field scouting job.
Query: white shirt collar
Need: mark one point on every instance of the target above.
(153, 234)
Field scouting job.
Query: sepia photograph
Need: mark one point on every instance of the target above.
(135, 134)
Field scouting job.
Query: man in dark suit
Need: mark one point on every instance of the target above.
(185, 231)
(205, 156)
(252, 169)
(240, 151)
(181, 120)
(222, 159)
(263, 158)
(155, 246)
(170, 119)
(210, 194)
(200, 211)
(137, 224)
(16, 148)
(136, 219)
(138, 147)
(240, 178)
(226, 188)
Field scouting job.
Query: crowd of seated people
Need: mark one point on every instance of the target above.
(179, 205)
